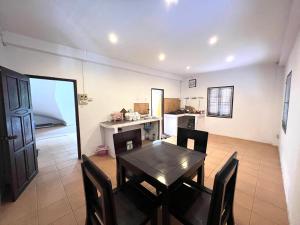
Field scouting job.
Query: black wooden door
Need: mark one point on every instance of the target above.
(18, 135)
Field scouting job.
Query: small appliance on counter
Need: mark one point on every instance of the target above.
(116, 116)
(132, 116)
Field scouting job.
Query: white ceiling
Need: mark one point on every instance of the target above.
(252, 30)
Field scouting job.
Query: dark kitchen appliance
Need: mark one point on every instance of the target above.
(186, 122)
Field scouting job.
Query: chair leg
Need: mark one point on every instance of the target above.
(230, 220)
(154, 218)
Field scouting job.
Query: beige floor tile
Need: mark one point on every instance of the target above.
(74, 187)
(244, 200)
(275, 198)
(248, 178)
(209, 182)
(259, 220)
(46, 170)
(50, 195)
(241, 215)
(248, 170)
(24, 206)
(46, 163)
(53, 212)
(245, 187)
(69, 170)
(208, 169)
(26, 219)
(76, 200)
(80, 215)
(30, 219)
(270, 212)
(47, 178)
(71, 178)
(72, 162)
(68, 219)
(270, 185)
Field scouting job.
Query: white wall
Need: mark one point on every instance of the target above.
(290, 142)
(53, 98)
(257, 102)
(110, 87)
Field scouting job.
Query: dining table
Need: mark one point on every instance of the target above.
(163, 165)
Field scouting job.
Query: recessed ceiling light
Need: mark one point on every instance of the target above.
(161, 56)
(188, 68)
(113, 38)
(213, 40)
(230, 58)
(171, 2)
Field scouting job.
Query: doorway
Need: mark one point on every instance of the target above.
(157, 104)
(55, 110)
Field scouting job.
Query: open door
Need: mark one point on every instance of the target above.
(157, 104)
(18, 149)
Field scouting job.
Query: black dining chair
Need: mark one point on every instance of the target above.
(126, 141)
(200, 144)
(194, 204)
(130, 204)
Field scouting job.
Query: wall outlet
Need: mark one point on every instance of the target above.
(83, 99)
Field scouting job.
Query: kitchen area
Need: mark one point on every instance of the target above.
(185, 113)
(160, 122)
(128, 120)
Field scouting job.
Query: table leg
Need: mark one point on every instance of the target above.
(200, 175)
(165, 208)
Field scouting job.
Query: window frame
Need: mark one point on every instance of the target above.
(286, 101)
(208, 103)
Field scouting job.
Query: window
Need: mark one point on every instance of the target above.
(286, 102)
(220, 101)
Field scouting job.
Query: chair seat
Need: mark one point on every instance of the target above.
(191, 204)
(133, 204)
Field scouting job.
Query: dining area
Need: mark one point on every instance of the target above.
(57, 195)
(160, 178)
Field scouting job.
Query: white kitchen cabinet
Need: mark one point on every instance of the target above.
(171, 122)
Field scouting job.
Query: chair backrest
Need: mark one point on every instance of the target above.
(223, 193)
(200, 138)
(99, 199)
(127, 140)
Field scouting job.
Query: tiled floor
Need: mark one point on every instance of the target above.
(56, 194)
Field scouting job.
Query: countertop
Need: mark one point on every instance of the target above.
(126, 123)
(184, 114)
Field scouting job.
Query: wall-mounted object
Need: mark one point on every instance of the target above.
(286, 102)
(192, 83)
(141, 108)
(83, 99)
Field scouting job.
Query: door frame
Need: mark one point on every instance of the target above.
(162, 106)
(75, 101)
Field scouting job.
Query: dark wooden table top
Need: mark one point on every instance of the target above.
(163, 162)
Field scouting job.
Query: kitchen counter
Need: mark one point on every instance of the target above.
(173, 121)
(126, 123)
(109, 128)
(184, 114)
